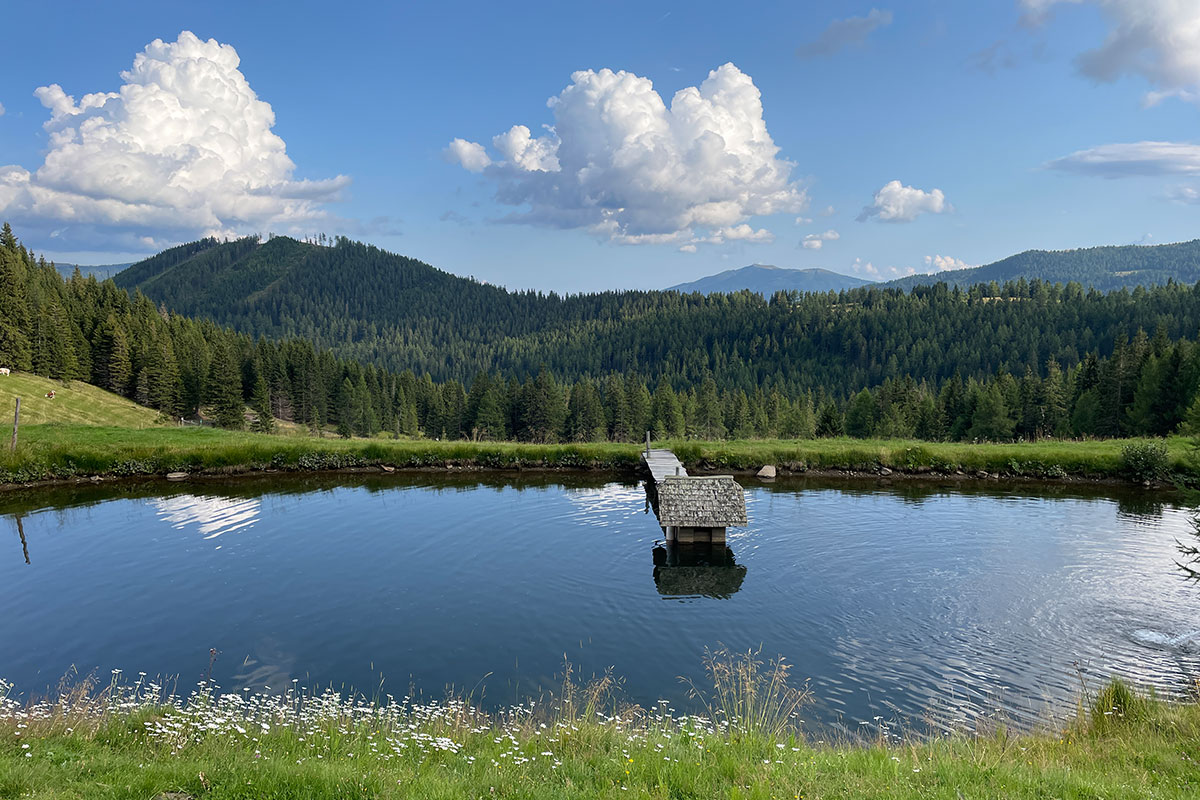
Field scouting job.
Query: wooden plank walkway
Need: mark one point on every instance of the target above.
(663, 464)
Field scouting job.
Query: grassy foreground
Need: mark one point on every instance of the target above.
(135, 743)
(64, 451)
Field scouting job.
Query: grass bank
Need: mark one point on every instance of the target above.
(133, 742)
(74, 402)
(71, 451)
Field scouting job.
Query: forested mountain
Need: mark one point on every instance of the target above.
(1029, 360)
(1103, 268)
(766, 280)
(398, 313)
(100, 272)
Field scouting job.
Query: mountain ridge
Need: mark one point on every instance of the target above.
(1104, 267)
(766, 279)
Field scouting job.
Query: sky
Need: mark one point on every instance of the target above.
(576, 147)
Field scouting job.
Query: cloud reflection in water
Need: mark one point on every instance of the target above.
(211, 516)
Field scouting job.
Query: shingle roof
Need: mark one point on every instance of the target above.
(710, 501)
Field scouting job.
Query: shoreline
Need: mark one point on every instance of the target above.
(834, 474)
(73, 455)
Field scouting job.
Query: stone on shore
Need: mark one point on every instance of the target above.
(768, 471)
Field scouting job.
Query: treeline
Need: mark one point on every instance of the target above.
(398, 313)
(82, 329)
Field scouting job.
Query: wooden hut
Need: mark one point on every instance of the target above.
(698, 509)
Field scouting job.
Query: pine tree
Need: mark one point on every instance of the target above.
(225, 389)
(1053, 401)
(344, 408)
(860, 415)
(829, 419)
(15, 349)
(260, 402)
(117, 365)
(708, 411)
(665, 412)
(799, 420)
(991, 421)
(163, 377)
(640, 420)
(616, 408)
(1141, 417)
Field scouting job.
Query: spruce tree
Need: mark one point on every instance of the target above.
(260, 402)
(860, 415)
(225, 389)
(15, 348)
(708, 411)
(829, 419)
(1053, 401)
(991, 421)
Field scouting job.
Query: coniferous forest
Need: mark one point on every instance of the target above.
(344, 336)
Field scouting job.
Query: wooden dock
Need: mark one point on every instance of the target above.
(663, 464)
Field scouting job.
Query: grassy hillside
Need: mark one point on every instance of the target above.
(75, 403)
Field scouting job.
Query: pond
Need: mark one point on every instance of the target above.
(903, 601)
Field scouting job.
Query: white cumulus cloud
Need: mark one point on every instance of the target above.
(943, 263)
(1157, 39)
(183, 148)
(815, 241)
(896, 202)
(469, 155)
(621, 164)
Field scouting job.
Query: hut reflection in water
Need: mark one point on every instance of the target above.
(696, 570)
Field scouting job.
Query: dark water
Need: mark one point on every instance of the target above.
(894, 600)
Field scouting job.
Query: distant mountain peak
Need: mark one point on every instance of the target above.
(766, 279)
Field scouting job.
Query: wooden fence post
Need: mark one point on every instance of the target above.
(12, 447)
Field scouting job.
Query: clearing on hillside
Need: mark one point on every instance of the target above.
(75, 401)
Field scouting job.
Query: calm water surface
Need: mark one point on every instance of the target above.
(895, 601)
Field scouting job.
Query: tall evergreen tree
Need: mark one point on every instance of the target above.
(15, 349)
(225, 386)
(260, 402)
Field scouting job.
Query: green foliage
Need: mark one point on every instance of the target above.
(398, 313)
(871, 362)
(225, 387)
(264, 421)
(860, 416)
(1146, 461)
(1117, 706)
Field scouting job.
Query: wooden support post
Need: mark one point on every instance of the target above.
(12, 447)
(647, 442)
(21, 533)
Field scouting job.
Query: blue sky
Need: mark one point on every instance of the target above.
(909, 136)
